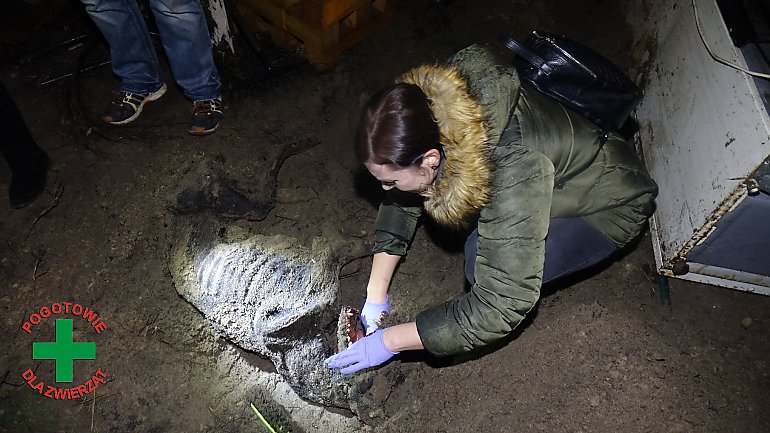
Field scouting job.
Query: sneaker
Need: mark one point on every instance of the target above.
(206, 116)
(126, 106)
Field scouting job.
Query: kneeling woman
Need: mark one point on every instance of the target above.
(549, 194)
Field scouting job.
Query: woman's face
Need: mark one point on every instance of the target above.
(410, 179)
(416, 178)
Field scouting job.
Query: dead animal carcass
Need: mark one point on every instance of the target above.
(267, 294)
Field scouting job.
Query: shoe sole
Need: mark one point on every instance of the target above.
(154, 96)
(204, 132)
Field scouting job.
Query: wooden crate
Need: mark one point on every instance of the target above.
(324, 28)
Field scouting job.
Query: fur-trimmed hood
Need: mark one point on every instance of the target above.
(464, 185)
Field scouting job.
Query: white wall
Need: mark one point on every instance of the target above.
(703, 128)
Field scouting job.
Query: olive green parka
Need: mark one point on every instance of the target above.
(559, 168)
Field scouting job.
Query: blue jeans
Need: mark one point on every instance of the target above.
(571, 245)
(183, 33)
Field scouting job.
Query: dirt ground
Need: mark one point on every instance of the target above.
(602, 354)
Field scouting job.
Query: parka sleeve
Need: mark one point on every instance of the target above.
(396, 223)
(509, 261)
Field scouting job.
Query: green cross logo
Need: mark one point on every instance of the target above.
(64, 350)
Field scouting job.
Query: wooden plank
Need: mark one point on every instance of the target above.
(286, 3)
(324, 57)
(323, 40)
(328, 12)
(311, 12)
(283, 19)
(384, 6)
(335, 10)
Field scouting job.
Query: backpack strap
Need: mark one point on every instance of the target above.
(523, 52)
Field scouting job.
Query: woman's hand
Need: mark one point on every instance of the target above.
(373, 314)
(374, 349)
(369, 351)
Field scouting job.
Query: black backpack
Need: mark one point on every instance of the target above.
(576, 76)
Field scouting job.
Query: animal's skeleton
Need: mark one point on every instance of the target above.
(350, 327)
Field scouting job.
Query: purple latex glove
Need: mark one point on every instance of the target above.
(371, 315)
(367, 352)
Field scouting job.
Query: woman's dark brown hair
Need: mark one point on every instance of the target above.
(396, 127)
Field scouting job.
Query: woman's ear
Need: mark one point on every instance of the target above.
(431, 159)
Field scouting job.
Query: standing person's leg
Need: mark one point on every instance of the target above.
(572, 245)
(185, 37)
(28, 163)
(132, 54)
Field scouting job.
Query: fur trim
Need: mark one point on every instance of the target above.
(464, 186)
